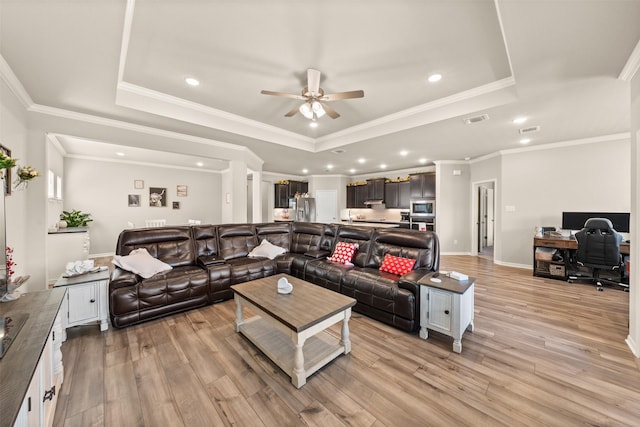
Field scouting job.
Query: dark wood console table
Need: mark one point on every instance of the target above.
(566, 246)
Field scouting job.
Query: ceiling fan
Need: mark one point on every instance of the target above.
(314, 98)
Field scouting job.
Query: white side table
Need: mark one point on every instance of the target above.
(85, 300)
(446, 307)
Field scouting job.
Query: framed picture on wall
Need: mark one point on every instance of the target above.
(181, 190)
(134, 200)
(176, 205)
(157, 197)
(7, 172)
(138, 184)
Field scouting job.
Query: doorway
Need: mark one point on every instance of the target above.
(484, 219)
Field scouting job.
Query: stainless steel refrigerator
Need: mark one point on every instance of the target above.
(304, 209)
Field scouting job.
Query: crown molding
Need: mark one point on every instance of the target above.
(583, 141)
(53, 138)
(482, 97)
(632, 65)
(151, 101)
(8, 76)
(137, 163)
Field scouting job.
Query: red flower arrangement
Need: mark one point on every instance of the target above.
(10, 264)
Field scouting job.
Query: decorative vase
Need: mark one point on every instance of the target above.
(62, 224)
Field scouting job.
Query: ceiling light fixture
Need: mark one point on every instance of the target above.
(329, 166)
(361, 160)
(120, 153)
(305, 170)
(404, 153)
(191, 81)
(433, 78)
(312, 110)
(352, 170)
(383, 166)
(200, 164)
(525, 141)
(313, 124)
(422, 160)
(519, 120)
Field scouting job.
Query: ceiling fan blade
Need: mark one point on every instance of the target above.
(330, 111)
(292, 112)
(286, 95)
(313, 81)
(343, 95)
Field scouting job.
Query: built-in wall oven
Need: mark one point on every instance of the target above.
(422, 214)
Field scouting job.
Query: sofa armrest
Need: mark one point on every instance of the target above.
(317, 254)
(206, 260)
(122, 278)
(410, 280)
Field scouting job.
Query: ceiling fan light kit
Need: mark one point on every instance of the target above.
(312, 94)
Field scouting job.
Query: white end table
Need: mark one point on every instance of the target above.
(85, 300)
(446, 307)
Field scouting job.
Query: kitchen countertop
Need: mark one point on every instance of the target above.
(380, 224)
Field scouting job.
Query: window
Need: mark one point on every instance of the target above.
(51, 188)
(59, 187)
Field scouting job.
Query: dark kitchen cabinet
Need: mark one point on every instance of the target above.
(375, 189)
(422, 185)
(284, 192)
(356, 196)
(396, 195)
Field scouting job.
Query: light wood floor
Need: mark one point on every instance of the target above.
(543, 352)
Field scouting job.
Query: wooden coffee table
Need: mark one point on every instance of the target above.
(290, 329)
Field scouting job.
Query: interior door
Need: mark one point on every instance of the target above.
(482, 218)
(326, 206)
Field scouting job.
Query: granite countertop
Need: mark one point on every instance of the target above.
(365, 223)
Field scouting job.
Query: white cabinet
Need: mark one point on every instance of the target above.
(85, 300)
(446, 307)
(39, 404)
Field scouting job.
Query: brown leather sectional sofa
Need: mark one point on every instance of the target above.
(208, 259)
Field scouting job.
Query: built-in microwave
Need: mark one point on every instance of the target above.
(422, 208)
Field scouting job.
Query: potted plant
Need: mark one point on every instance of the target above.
(75, 218)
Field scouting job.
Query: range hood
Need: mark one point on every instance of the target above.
(374, 202)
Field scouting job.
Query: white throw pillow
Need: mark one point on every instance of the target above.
(266, 249)
(140, 262)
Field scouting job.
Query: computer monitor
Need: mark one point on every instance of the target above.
(576, 220)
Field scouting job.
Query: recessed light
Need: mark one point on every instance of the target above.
(352, 170)
(305, 170)
(434, 78)
(383, 166)
(120, 153)
(404, 153)
(519, 120)
(329, 166)
(525, 141)
(422, 160)
(313, 124)
(361, 160)
(200, 164)
(191, 81)
(467, 158)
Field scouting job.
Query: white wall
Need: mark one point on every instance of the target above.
(453, 207)
(101, 188)
(14, 136)
(540, 184)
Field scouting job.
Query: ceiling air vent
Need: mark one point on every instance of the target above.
(338, 151)
(476, 119)
(529, 129)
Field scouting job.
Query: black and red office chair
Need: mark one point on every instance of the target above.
(599, 249)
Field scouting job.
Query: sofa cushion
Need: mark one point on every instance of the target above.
(343, 252)
(140, 262)
(266, 249)
(397, 265)
(173, 245)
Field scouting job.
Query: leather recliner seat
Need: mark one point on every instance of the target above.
(208, 259)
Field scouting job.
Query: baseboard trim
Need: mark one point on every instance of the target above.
(455, 253)
(633, 346)
(106, 254)
(513, 264)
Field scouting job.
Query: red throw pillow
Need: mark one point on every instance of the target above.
(397, 265)
(343, 252)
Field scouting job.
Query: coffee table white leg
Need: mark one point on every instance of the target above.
(298, 376)
(239, 319)
(345, 339)
(424, 334)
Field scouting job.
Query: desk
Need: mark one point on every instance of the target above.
(566, 246)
